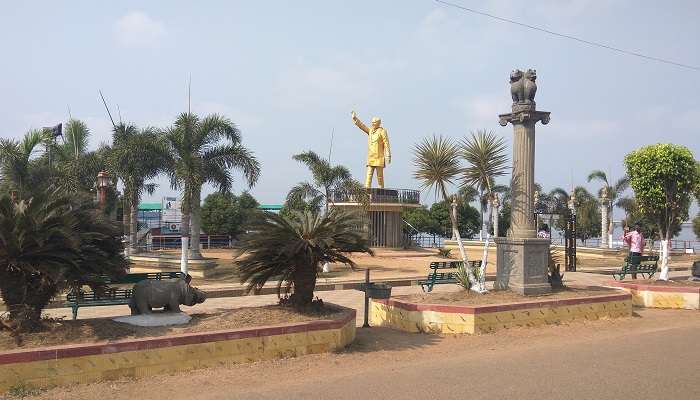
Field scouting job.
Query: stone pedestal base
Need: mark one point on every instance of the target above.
(521, 265)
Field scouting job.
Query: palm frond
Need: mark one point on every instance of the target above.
(292, 249)
(486, 157)
(436, 162)
(598, 175)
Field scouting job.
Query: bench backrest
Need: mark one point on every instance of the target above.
(445, 264)
(641, 259)
(135, 278)
(107, 295)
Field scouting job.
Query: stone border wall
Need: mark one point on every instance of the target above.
(653, 296)
(445, 319)
(85, 363)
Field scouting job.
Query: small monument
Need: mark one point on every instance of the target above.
(383, 208)
(149, 294)
(522, 259)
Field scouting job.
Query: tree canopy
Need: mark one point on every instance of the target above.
(227, 214)
(663, 177)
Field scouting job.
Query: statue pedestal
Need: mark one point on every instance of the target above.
(521, 265)
(155, 319)
(383, 213)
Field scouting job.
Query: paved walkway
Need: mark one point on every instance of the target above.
(347, 298)
(587, 360)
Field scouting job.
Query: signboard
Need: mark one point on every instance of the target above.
(171, 214)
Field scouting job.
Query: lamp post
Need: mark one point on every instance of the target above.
(102, 185)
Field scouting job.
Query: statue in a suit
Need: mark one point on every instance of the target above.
(378, 150)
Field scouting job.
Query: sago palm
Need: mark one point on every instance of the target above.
(436, 162)
(204, 151)
(486, 158)
(291, 250)
(49, 242)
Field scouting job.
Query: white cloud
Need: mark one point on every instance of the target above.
(137, 29)
(302, 85)
(483, 111)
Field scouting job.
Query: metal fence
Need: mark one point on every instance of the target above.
(596, 242)
(163, 242)
(376, 195)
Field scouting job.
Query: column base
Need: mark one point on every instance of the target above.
(521, 265)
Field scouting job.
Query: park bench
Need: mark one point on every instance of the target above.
(111, 296)
(643, 265)
(438, 276)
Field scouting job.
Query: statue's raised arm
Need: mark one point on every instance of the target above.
(359, 123)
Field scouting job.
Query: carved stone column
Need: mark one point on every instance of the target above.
(522, 182)
(522, 259)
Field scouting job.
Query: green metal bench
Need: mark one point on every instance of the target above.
(113, 296)
(642, 265)
(437, 276)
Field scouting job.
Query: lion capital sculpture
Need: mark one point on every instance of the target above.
(523, 86)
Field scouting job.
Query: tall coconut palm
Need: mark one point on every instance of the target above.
(326, 178)
(613, 193)
(74, 166)
(135, 157)
(485, 154)
(18, 162)
(204, 151)
(557, 203)
(292, 249)
(436, 162)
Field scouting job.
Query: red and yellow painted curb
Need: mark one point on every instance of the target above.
(654, 296)
(439, 318)
(84, 363)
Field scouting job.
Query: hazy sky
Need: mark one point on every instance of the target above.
(289, 72)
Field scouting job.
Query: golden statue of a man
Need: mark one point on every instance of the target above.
(377, 149)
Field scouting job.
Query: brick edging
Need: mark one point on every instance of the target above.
(489, 308)
(655, 288)
(77, 350)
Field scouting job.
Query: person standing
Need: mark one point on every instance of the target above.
(635, 240)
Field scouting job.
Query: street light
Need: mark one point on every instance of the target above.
(102, 185)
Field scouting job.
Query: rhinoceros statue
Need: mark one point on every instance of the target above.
(150, 294)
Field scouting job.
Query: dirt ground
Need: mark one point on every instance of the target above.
(585, 360)
(60, 332)
(500, 296)
(402, 264)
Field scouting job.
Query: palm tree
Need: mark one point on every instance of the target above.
(485, 154)
(74, 167)
(558, 200)
(204, 151)
(613, 193)
(326, 178)
(48, 242)
(436, 160)
(135, 157)
(18, 160)
(292, 249)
